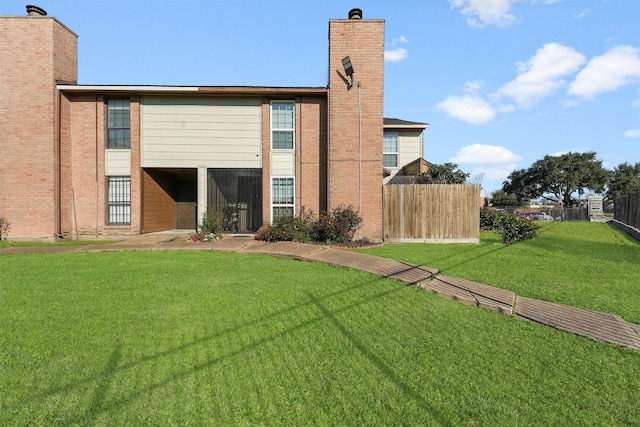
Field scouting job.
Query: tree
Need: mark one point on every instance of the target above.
(625, 179)
(500, 198)
(447, 173)
(557, 178)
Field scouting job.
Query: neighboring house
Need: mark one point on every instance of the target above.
(92, 160)
(402, 144)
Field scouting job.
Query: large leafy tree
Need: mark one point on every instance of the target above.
(500, 198)
(625, 179)
(559, 177)
(447, 173)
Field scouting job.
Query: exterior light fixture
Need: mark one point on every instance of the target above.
(348, 69)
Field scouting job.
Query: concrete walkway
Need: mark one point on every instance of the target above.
(604, 327)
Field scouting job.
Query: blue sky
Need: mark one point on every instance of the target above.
(501, 82)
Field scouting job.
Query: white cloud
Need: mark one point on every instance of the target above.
(486, 12)
(486, 154)
(606, 73)
(468, 108)
(473, 87)
(495, 162)
(632, 133)
(542, 74)
(582, 13)
(396, 53)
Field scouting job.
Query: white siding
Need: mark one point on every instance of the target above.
(117, 162)
(187, 132)
(409, 146)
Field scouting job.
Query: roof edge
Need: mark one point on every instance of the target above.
(210, 90)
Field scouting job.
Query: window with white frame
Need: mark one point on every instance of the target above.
(282, 197)
(118, 200)
(390, 150)
(282, 125)
(118, 127)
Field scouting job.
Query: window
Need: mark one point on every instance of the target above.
(282, 125)
(118, 200)
(390, 150)
(282, 197)
(118, 123)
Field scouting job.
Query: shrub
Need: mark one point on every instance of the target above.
(488, 220)
(5, 225)
(211, 223)
(512, 227)
(264, 233)
(337, 226)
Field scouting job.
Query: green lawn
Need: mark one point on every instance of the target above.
(589, 265)
(13, 244)
(195, 338)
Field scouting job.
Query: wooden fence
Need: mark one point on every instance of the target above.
(627, 210)
(422, 213)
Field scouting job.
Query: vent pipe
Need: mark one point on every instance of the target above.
(35, 11)
(355, 13)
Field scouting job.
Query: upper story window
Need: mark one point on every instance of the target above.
(390, 150)
(118, 123)
(282, 125)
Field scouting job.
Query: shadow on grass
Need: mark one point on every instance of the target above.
(97, 403)
(379, 363)
(114, 365)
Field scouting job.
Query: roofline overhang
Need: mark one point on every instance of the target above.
(414, 126)
(193, 90)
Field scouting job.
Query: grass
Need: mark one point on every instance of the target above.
(589, 265)
(179, 338)
(28, 244)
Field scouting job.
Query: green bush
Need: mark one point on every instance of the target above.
(512, 227)
(337, 226)
(212, 223)
(488, 220)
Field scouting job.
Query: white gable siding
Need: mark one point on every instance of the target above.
(188, 132)
(409, 146)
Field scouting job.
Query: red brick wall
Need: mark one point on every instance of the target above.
(136, 171)
(84, 189)
(363, 42)
(35, 52)
(311, 154)
(86, 142)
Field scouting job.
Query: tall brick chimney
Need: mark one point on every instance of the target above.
(36, 51)
(356, 118)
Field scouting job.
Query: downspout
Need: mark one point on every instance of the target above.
(359, 158)
(301, 165)
(59, 159)
(97, 182)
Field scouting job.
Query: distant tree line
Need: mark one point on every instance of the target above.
(565, 179)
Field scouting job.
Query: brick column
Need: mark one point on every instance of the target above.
(356, 120)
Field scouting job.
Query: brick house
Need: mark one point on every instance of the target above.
(93, 160)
